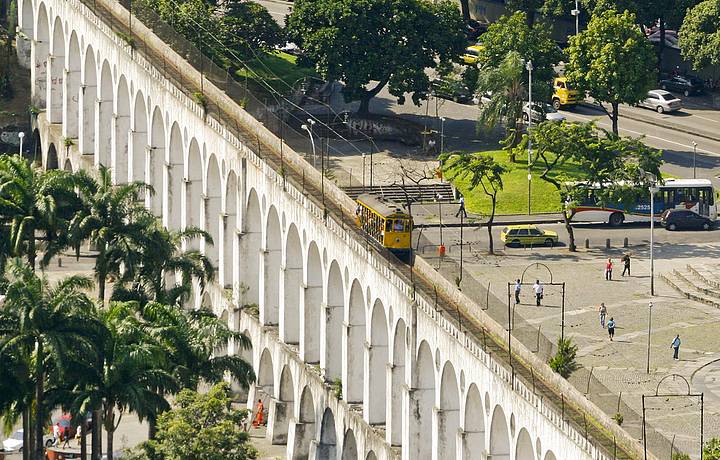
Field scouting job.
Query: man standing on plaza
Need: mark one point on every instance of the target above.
(626, 264)
(676, 347)
(538, 288)
(518, 286)
(608, 270)
(611, 328)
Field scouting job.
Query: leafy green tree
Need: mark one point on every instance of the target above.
(619, 165)
(35, 207)
(484, 172)
(249, 26)
(711, 450)
(700, 35)
(564, 362)
(49, 324)
(531, 43)
(201, 427)
(390, 42)
(113, 220)
(508, 92)
(613, 61)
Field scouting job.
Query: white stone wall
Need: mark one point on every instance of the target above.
(329, 309)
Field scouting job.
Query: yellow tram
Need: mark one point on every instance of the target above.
(386, 223)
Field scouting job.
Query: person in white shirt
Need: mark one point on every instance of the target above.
(538, 288)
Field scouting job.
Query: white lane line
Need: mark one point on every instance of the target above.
(704, 118)
(643, 134)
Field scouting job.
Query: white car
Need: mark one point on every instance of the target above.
(541, 112)
(661, 101)
(15, 442)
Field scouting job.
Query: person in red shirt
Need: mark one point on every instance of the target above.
(608, 270)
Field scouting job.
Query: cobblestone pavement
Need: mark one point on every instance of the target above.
(617, 369)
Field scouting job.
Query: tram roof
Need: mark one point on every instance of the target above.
(380, 205)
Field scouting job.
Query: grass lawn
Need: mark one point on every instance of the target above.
(279, 69)
(513, 198)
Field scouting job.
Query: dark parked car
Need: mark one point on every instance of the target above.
(450, 89)
(678, 219)
(683, 84)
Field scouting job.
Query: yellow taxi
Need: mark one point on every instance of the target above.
(472, 54)
(527, 235)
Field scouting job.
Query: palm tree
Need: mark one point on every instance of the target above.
(507, 90)
(35, 201)
(134, 373)
(113, 220)
(195, 340)
(50, 324)
(160, 256)
(16, 394)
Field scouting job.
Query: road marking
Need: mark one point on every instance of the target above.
(596, 119)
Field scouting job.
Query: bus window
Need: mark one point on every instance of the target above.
(705, 195)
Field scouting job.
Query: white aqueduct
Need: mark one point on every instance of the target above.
(413, 385)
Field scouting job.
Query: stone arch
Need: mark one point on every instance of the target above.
(524, 448)
(103, 140)
(499, 435)
(173, 180)
(27, 26)
(252, 247)
(396, 385)
(52, 158)
(283, 408)
(68, 165)
(139, 139)
(246, 354)
(350, 450)
(229, 230)
(371, 456)
(422, 404)
(222, 350)
(154, 175)
(474, 424)
(331, 328)
(304, 427)
(449, 413)
(193, 189)
(354, 380)
(550, 455)
(377, 395)
(213, 206)
(327, 448)
(72, 88)
(34, 154)
(292, 287)
(57, 74)
(122, 131)
(265, 384)
(88, 96)
(270, 311)
(40, 58)
(312, 302)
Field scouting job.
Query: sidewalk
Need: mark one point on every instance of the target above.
(427, 215)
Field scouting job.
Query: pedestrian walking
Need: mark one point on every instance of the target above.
(259, 416)
(611, 328)
(626, 264)
(608, 270)
(518, 286)
(66, 438)
(461, 209)
(676, 347)
(538, 288)
(603, 313)
(56, 434)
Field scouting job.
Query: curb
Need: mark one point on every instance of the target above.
(658, 124)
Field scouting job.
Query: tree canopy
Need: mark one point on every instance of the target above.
(700, 34)
(613, 61)
(368, 44)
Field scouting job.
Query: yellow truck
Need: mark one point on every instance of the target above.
(564, 94)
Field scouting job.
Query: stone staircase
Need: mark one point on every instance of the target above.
(697, 282)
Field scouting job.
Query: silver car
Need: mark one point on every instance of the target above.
(541, 112)
(661, 101)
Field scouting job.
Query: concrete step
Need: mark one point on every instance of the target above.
(425, 193)
(688, 290)
(707, 274)
(697, 284)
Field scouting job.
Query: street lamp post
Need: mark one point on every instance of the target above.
(529, 67)
(653, 190)
(442, 135)
(21, 135)
(439, 200)
(694, 155)
(650, 307)
(312, 140)
(576, 13)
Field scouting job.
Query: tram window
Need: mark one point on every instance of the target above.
(388, 225)
(398, 225)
